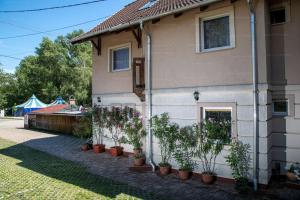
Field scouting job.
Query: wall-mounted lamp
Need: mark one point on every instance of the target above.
(99, 99)
(196, 95)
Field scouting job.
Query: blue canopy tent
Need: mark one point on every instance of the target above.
(32, 104)
(58, 101)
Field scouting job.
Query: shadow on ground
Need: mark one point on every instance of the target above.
(67, 171)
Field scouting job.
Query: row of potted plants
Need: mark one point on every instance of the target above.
(120, 123)
(204, 141)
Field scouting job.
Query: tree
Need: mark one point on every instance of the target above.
(7, 89)
(57, 69)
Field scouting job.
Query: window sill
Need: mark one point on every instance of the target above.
(121, 70)
(278, 24)
(215, 49)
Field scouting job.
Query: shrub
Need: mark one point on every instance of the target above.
(239, 161)
(100, 120)
(166, 134)
(186, 141)
(115, 121)
(212, 135)
(134, 130)
(83, 128)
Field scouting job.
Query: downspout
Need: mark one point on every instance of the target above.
(255, 90)
(149, 94)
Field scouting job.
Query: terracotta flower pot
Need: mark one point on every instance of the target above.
(85, 147)
(99, 148)
(291, 176)
(183, 174)
(208, 178)
(164, 170)
(139, 161)
(137, 151)
(116, 151)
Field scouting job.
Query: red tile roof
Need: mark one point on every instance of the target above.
(51, 109)
(132, 15)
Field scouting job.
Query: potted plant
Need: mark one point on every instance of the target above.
(184, 149)
(139, 159)
(99, 118)
(212, 135)
(87, 145)
(239, 162)
(165, 132)
(134, 132)
(291, 176)
(117, 117)
(83, 129)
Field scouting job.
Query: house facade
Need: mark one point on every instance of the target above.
(157, 55)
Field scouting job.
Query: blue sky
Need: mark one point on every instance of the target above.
(12, 24)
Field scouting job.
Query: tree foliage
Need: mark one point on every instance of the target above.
(57, 69)
(7, 89)
(165, 132)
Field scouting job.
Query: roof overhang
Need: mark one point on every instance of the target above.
(89, 36)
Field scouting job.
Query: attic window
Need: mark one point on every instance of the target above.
(148, 5)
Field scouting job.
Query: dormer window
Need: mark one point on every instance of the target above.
(148, 5)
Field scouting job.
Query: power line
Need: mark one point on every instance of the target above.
(50, 8)
(12, 57)
(52, 30)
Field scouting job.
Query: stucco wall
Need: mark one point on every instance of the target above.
(174, 53)
(285, 47)
(285, 54)
(105, 81)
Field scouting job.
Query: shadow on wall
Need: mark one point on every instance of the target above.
(63, 170)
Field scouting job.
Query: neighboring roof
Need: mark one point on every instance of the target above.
(58, 100)
(32, 102)
(51, 109)
(132, 14)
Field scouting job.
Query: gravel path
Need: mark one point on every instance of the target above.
(68, 147)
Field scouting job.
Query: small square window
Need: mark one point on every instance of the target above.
(278, 16)
(216, 32)
(280, 107)
(120, 59)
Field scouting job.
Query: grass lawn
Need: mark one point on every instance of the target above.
(26, 173)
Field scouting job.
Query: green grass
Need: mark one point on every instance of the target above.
(26, 173)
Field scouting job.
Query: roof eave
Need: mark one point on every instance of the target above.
(89, 36)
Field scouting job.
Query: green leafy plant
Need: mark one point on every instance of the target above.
(139, 156)
(212, 135)
(83, 128)
(100, 120)
(134, 130)
(166, 134)
(186, 141)
(239, 162)
(116, 118)
(292, 168)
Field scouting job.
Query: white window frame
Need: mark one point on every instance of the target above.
(217, 109)
(110, 57)
(232, 106)
(279, 6)
(227, 11)
(280, 113)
